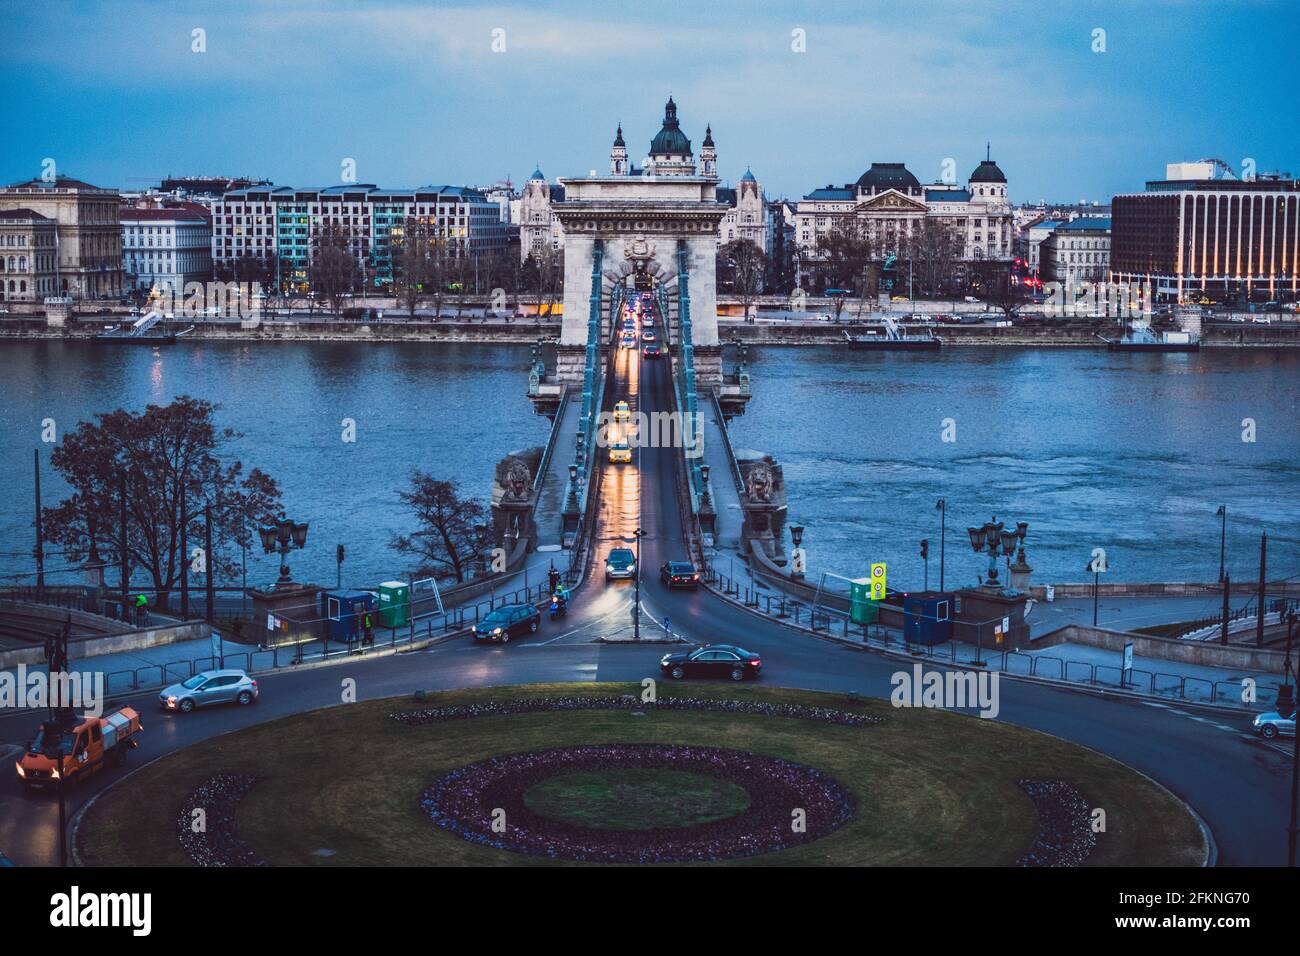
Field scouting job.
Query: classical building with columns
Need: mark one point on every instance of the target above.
(892, 203)
(88, 233)
(1190, 234)
(648, 228)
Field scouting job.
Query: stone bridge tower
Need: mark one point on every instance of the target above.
(640, 218)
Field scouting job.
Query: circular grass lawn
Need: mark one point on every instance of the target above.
(343, 785)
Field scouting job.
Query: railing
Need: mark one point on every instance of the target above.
(821, 620)
(261, 660)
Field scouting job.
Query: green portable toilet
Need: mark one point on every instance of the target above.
(394, 603)
(862, 610)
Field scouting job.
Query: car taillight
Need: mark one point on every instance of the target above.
(695, 577)
(756, 662)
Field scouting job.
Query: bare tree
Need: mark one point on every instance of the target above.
(933, 250)
(160, 455)
(414, 249)
(742, 270)
(333, 270)
(843, 259)
(447, 535)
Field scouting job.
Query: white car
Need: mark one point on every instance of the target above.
(1272, 724)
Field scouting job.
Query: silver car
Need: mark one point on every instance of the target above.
(1272, 724)
(209, 687)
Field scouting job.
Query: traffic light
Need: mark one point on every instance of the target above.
(339, 556)
(925, 548)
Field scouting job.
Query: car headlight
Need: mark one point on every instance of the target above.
(610, 568)
(632, 566)
(1256, 722)
(21, 772)
(496, 630)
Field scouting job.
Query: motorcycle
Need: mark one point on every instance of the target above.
(559, 606)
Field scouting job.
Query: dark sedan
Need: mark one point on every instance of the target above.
(712, 660)
(679, 574)
(507, 621)
(651, 350)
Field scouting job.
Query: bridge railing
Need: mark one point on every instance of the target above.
(818, 619)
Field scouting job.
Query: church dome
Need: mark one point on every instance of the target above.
(987, 172)
(882, 176)
(670, 140)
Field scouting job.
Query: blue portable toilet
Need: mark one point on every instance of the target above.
(342, 613)
(927, 617)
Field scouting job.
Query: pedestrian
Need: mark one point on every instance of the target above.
(667, 627)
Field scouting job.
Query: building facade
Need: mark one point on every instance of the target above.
(88, 235)
(747, 216)
(538, 226)
(280, 225)
(1076, 251)
(891, 204)
(28, 256)
(165, 247)
(1226, 238)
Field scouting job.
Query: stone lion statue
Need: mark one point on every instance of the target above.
(759, 482)
(518, 479)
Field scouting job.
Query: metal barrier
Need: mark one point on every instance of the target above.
(819, 619)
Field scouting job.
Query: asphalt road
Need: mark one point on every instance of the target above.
(1238, 785)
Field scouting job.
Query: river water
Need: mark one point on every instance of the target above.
(1133, 453)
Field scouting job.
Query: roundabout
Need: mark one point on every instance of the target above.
(584, 773)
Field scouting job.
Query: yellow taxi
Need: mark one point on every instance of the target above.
(620, 452)
(622, 412)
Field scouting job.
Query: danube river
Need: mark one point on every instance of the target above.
(1133, 453)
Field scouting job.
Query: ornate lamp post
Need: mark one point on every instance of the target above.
(707, 514)
(283, 535)
(988, 539)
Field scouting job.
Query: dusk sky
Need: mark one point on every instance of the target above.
(414, 92)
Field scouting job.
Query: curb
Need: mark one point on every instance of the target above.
(389, 651)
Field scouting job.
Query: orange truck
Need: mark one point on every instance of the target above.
(85, 747)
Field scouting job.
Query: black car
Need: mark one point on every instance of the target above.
(712, 660)
(507, 621)
(679, 574)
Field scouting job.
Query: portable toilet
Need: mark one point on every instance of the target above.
(862, 610)
(927, 617)
(394, 603)
(343, 613)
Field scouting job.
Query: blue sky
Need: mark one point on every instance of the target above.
(415, 94)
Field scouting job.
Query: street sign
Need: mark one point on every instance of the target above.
(1128, 664)
(878, 581)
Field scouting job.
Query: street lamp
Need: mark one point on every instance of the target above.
(283, 535)
(942, 507)
(638, 534)
(1223, 537)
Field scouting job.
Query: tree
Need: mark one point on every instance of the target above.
(163, 453)
(843, 258)
(1003, 291)
(333, 270)
(447, 538)
(934, 249)
(414, 251)
(543, 277)
(742, 270)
